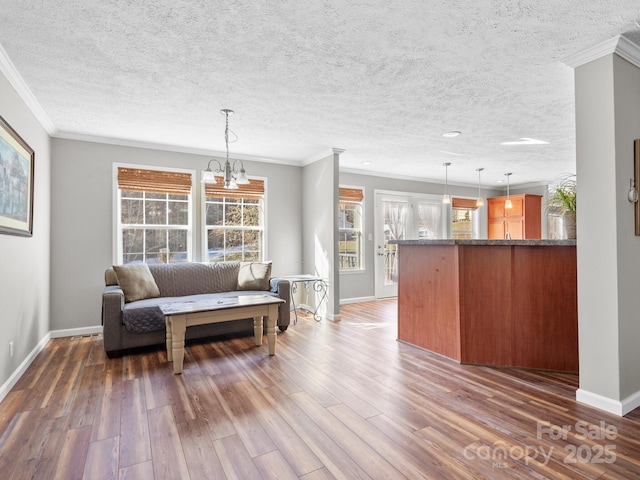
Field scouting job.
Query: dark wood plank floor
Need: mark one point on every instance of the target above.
(339, 400)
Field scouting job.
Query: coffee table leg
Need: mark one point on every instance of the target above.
(271, 328)
(169, 343)
(257, 330)
(178, 328)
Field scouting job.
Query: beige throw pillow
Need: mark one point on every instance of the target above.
(136, 282)
(254, 276)
(110, 277)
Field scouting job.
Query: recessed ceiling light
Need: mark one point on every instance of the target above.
(526, 141)
(453, 133)
(366, 162)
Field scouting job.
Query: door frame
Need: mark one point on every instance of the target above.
(411, 231)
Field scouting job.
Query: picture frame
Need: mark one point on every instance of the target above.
(16, 183)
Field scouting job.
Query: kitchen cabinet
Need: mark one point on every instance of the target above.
(523, 221)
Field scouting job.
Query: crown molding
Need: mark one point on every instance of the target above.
(122, 142)
(373, 173)
(24, 92)
(355, 171)
(619, 45)
(629, 51)
(328, 152)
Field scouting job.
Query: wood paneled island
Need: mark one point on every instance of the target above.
(491, 302)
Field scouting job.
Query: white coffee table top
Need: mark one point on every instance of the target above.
(178, 308)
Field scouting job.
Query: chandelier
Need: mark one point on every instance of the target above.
(232, 176)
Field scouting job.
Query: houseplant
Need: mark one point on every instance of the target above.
(562, 201)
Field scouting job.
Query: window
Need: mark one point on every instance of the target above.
(463, 218)
(429, 219)
(153, 215)
(350, 228)
(234, 222)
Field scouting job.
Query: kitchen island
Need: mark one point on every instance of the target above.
(491, 302)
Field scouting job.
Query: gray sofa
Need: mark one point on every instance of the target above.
(140, 323)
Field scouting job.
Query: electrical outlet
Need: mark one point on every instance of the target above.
(11, 348)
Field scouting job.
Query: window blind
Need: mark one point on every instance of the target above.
(464, 203)
(255, 188)
(157, 181)
(351, 194)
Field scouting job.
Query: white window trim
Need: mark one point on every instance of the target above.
(203, 220)
(363, 247)
(117, 241)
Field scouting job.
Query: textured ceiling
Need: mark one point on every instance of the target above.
(382, 79)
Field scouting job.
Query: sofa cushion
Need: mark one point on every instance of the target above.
(136, 281)
(181, 279)
(254, 276)
(146, 316)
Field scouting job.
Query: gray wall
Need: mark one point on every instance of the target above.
(320, 226)
(24, 261)
(359, 285)
(627, 124)
(82, 220)
(607, 120)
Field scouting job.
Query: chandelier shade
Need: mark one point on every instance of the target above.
(446, 198)
(508, 204)
(479, 200)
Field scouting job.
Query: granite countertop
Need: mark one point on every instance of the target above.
(485, 242)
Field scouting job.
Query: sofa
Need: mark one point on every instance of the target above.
(131, 316)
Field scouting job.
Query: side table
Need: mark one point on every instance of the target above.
(310, 282)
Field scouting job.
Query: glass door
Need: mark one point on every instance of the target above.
(402, 217)
(391, 224)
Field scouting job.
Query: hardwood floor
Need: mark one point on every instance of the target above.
(339, 400)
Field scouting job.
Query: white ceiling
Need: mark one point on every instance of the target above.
(382, 79)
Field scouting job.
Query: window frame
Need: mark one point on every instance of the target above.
(117, 229)
(473, 210)
(204, 250)
(362, 267)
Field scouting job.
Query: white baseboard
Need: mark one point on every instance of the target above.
(76, 332)
(70, 332)
(346, 301)
(616, 407)
(631, 403)
(333, 318)
(13, 379)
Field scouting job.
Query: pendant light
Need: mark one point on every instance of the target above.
(480, 200)
(232, 175)
(446, 198)
(508, 203)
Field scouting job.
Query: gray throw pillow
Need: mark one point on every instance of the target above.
(136, 282)
(254, 276)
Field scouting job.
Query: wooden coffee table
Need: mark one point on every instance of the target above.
(180, 315)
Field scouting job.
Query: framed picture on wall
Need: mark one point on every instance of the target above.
(16, 183)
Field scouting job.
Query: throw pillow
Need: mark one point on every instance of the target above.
(136, 282)
(254, 276)
(110, 277)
